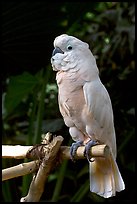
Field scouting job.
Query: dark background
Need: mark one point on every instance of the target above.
(29, 92)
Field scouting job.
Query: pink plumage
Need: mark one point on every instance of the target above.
(86, 108)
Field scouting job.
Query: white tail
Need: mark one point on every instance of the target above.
(105, 177)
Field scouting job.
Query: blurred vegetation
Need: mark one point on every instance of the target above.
(29, 91)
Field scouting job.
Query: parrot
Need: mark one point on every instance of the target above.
(86, 108)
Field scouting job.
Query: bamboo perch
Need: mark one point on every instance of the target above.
(15, 151)
(20, 170)
(29, 167)
(46, 155)
(96, 151)
(37, 185)
(20, 152)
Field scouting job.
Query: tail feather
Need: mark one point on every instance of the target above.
(119, 183)
(105, 178)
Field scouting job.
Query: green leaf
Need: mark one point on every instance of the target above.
(18, 87)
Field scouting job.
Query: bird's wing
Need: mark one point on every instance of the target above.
(99, 106)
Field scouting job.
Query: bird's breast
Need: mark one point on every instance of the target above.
(71, 96)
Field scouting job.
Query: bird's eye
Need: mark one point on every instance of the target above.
(69, 47)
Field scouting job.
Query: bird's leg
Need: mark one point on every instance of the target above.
(87, 152)
(74, 148)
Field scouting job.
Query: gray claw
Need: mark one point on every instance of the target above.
(74, 148)
(87, 152)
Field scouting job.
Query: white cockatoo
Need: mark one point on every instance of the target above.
(86, 108)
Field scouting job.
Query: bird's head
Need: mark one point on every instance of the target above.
(68, 52)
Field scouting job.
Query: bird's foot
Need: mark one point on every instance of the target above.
(87, 152)
(74, 148)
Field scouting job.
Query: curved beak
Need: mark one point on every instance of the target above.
(57, 50)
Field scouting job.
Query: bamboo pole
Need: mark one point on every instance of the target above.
(29, 167)
(20, 152)
(46, 156)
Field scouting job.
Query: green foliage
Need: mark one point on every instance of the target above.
(18, 88)
(29, 100)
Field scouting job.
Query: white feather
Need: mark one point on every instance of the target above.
(86, 108)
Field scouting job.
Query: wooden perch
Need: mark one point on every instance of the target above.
(29, 167)
(15, 151)
(20, 170)
(38, 182)
(96, 151)
(46, 155)
(20, 152)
